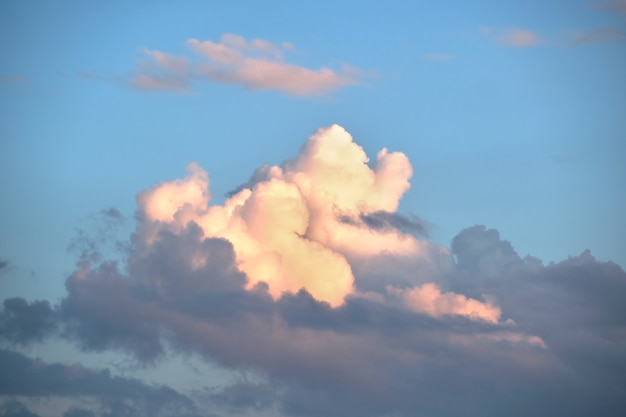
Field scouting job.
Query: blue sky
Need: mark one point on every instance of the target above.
(511, 113)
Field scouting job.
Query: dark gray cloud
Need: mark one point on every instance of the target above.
(366, 357)
(14, 408)
(22, 322)
(385, 221)
(4, 265)
(558, 349)
(262, 173)
(117, 396)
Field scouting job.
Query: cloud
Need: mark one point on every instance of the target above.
(438, 57)
(308, 278)
(22, 323)
(32, 379)
(615, 6)
(255, 65)
(516, 37)
(14, 408)
(601, 35)
(429, 299)
(289, 229)
(519, 38)
(12, 78)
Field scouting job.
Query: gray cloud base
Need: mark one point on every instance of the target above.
(365, 357)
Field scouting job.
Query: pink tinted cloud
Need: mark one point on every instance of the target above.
(519, 38)
(429, 299)
(256, 65)
(286, 229)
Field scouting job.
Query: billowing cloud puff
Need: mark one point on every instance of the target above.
(429, 299)
(256, 65)
(288, 226)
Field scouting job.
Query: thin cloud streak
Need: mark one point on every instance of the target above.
(615, 6)
(520, 38)
(601, 35)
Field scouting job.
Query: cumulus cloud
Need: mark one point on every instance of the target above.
(256, 65)
(309, 277)
(289, 229)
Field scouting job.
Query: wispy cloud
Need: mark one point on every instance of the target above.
(515, 37)
(12, 78)
(601, 35)
(615, 6)
(519, 38)
(256, 65)
(437, 57)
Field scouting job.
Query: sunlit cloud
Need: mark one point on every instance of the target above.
(256, 65)
(429, 299)
(289, 228)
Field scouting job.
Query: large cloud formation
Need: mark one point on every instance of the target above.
(308, 276)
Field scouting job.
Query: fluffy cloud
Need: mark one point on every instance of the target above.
(289, 229)
(255, 65)
(308, 277)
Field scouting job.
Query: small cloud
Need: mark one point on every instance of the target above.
(615, 6)
(437, 57)
(601, 35)
(256, 65)
(12, 78)
(519, 38)
(153, 82)
(515, 37)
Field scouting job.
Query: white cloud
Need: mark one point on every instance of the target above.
(286, 229)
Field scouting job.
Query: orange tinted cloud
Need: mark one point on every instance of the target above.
(286, 228)
(429, 299)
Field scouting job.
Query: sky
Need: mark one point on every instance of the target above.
(312, 209)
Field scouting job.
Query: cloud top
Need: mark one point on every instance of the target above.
(288, 227)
